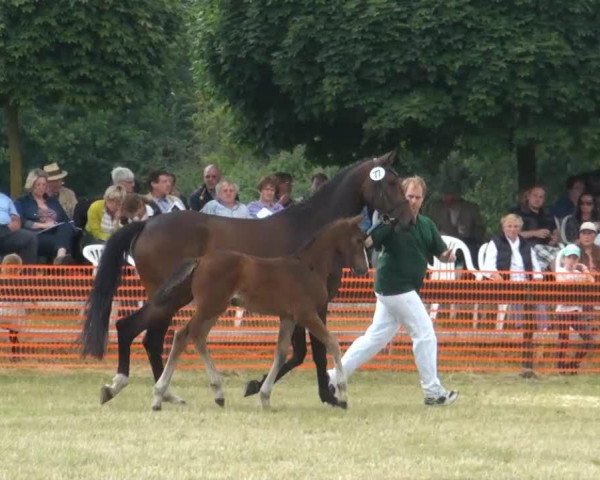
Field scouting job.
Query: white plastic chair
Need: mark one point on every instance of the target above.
(447, 270)
(93, 253)
(502, 308)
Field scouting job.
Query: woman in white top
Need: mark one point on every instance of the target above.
(226, 204)
(570, 316)
(510, 252)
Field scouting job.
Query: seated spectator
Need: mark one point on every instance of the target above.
(317, 181)
(45, 217)
(135, 208)
(585, 212)
(12, 313)
(511, 252)
(159, 185)
(123, 176)
(104, 216)
(206, 193)
(266, 205)
(173, 190)
(539, 227)
(590, 252)
(13, 238)
(56, 188)
(226, 204)
(570, 316)
(285, 185)
(458, 218)
(567, 203)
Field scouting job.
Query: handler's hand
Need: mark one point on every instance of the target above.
(447, 256)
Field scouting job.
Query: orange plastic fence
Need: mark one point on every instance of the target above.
(482, 325)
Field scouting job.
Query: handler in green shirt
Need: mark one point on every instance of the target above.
(400, 271)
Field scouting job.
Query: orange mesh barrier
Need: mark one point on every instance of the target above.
(482, 325)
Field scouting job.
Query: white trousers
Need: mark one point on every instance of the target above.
(390, 312)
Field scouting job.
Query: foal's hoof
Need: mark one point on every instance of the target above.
(157, 408)
(105, 394)
(343, 405)
(174, 399)
(220, 402)
(252, 388)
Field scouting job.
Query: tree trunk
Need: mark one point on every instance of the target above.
(526, 166)
(14, 148)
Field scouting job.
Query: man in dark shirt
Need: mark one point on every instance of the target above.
(206, 193)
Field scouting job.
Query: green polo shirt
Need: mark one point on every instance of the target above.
(403, 262)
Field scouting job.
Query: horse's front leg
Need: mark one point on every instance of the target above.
(286, 327)
(298, 355)
(319, 353)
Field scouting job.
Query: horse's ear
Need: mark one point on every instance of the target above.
(387, 159)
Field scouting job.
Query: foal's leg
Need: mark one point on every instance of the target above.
(215, 378)
(298, 355)
(318, 329)
(162, 385)
(286, 327)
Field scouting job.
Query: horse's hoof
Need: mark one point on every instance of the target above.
(220, 402)
(157, 408)
(105, 394)
(343, 405)
(252, 388)
(329, 398)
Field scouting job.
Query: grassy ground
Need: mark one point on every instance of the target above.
(52, 427)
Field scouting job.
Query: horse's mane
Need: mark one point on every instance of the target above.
(325, 192)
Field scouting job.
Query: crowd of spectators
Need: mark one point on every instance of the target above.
(48, 223)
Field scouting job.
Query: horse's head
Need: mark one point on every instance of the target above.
(351, 245)
(382, 190)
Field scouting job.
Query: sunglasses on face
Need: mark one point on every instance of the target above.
(586, 202)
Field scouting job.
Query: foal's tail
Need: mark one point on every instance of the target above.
(108, 276)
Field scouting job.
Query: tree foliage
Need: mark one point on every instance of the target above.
(100, 54)
(350, 77)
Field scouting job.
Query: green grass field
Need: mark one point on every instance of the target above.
(52, 427)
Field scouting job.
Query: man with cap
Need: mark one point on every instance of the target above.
(56, 188)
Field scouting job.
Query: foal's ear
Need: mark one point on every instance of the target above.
(387, 158)
(356, 220)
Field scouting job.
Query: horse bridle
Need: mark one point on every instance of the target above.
(386, 216)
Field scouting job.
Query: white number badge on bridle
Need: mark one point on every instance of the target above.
(377, 174)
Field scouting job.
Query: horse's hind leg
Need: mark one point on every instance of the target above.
(215, 378)
(128, 328)
(162, 385)
(298, 355)
(286, 327)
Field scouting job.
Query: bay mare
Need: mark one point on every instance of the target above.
(159, 245)
(292, 287)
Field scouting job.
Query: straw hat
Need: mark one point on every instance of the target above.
(54, 171)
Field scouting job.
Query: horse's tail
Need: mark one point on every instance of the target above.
(181, 275)
(108, 276)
